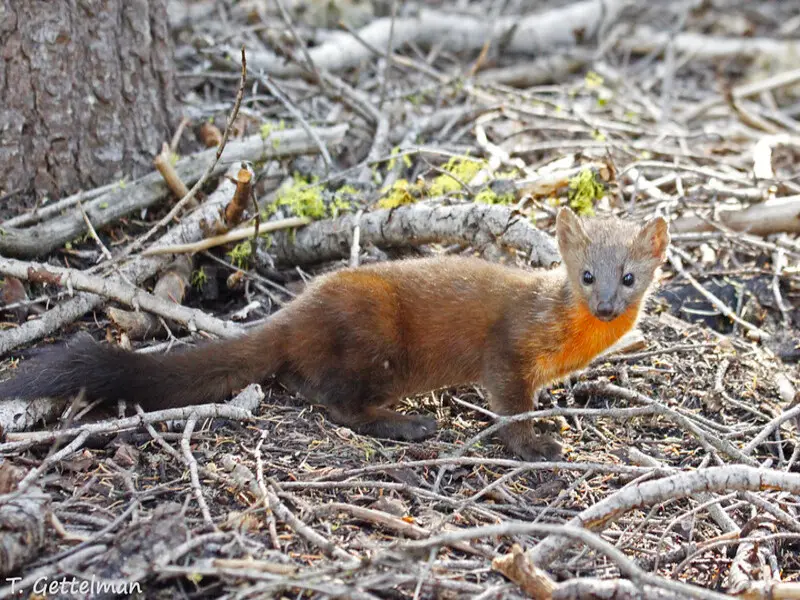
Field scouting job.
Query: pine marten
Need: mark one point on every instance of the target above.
(358, 340)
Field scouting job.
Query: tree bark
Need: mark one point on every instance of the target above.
(86, 94)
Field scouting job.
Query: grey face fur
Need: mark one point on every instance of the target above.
(610, 263)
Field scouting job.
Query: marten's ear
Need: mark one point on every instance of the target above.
(653, 239)
(569, 230)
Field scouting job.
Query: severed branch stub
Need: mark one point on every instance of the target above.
(163, 164)
(533, 581)
(171, 286)
(236, 208)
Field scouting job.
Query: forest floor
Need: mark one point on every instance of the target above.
(680, 476)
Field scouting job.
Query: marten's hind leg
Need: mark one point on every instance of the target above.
(361, 406)
(384, 423)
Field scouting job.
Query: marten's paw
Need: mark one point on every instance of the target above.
(385, 423)
(414, 428)
(527, 445)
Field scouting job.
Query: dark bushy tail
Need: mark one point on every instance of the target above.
(206, 373)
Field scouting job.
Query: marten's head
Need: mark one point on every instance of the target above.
(610, 262)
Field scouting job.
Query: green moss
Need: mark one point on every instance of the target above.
(348, 191)
(338, 206)
(462, 169)
(303, 198)
(488, 196)
(199, 278)
(240, 255)
(584, 190)
(266, 130)
(400, 194)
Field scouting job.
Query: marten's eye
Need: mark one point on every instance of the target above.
(588, 278)
(627, 279)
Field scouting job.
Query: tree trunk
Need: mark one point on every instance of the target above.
(86, 94)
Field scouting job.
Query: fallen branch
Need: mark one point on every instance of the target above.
(589, 588)
(547, 69)
(478, 225)
(120, 291)
(20, 415)
(683, 485)
(39, 214)
(572, 533)
(775, 215)
(753, 561)
(138, 269)
(385, 520)
(202, 411)
(769, 428)
(147, 191)
(22, 530)
(772, 591)
(646, 39)
(163, 165)
(306, 532)
(534, 34)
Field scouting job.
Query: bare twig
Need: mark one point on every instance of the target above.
(191, 462)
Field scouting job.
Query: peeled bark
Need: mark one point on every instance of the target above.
(86, 94)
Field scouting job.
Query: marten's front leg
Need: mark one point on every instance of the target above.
(510, 394)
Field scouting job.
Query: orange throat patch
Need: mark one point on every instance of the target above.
(581, 337)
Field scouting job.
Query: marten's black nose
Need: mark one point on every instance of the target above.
(605, 310)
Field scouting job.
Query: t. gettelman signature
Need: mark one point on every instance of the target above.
(73, 586)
